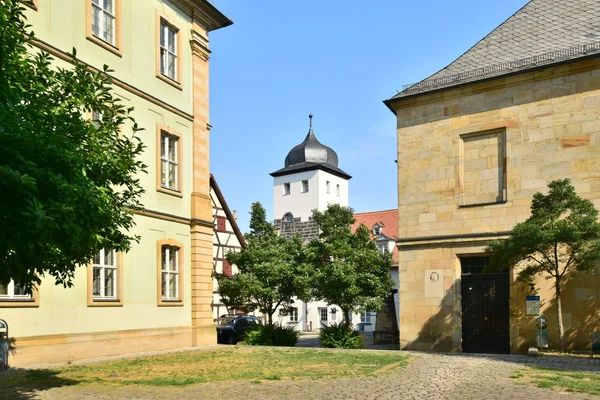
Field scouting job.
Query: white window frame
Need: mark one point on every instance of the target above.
(305, 186)
(337, 187)
(376, 230)
(165, 139)
(103, 16)
(323, 312)
(365, 317)
(382, 247)
(294, 314)
(10, 293)
(287, 188)
(103, 268)
(165, 28)
(166, 273)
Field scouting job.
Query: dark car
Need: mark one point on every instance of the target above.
(232, 329)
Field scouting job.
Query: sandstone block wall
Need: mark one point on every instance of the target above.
(469, 161)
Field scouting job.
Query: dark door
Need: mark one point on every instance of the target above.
(485, 321)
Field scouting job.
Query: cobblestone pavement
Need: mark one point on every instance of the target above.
(429, 376)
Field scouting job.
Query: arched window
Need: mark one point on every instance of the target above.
(288, 217)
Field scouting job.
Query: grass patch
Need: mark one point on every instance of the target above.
(238, 363)
(569, 381)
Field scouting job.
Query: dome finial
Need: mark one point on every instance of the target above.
(310, 120)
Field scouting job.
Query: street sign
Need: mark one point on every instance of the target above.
(532, 305)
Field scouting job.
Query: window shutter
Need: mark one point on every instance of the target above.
(227, 268)
(221, 224)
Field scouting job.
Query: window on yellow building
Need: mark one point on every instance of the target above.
(170, 273)
(105, 279)
(168, 50)
(104, 276)
(13, 291)
(103, 24)
(169, 161)
(103, 20)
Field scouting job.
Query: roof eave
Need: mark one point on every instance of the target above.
(218, 19)
(393, 100)
(339, 173)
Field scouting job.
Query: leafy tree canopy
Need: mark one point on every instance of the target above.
(270, 268)
(559, 239)
(348, 269)
(69, 183)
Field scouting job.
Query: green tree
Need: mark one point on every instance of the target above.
(69, 183)
(348, 269)
(270, 270)
(559, 239)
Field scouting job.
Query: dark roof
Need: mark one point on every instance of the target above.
(228, 213)
(543, 32)
(310, 155)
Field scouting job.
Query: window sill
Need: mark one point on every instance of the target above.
(105, 303)
(171, 192)
(107, 46)
(170, 303)
(293, 322)
(482, 204)
(21, 303)
(170, 81)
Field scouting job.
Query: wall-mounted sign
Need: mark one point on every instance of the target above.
(532, 305)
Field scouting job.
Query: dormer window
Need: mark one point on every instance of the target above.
(376, 230)
(288, 217)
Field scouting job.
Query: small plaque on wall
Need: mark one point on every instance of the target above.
(532, 305)
(434, 283)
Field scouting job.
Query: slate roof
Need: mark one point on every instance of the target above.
(539, 28)
(310, 155)
(387, 219)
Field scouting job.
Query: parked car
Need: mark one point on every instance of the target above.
(232, 329)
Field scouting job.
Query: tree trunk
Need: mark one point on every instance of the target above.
(346, 317)
(270, 317)
(561, 328)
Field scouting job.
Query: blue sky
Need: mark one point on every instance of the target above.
(338, 59)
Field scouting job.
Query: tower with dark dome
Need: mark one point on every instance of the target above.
(310, 179)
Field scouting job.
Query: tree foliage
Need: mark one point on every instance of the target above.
(69, 183)
(348, 269)
(559, 239)
(270, 269)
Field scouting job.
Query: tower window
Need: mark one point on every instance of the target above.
(337, 188)
(327, 189)
(304, 186)
(286, 188)
(288, 217)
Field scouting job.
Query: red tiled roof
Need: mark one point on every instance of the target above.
(387, 219)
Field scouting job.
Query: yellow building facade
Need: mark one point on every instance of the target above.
(159, 295)
(475, 142)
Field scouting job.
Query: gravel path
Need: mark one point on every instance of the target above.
(429, 376)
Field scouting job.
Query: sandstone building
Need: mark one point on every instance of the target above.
(475, 141)
(159, 295)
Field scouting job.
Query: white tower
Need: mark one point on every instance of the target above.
(310, 179)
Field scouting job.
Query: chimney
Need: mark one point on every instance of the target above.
(235, 215)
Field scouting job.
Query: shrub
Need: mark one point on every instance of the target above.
(339, 337)
(271, 335)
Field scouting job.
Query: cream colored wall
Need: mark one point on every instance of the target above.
(61, 23)
(551, 118)
(63, 311)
